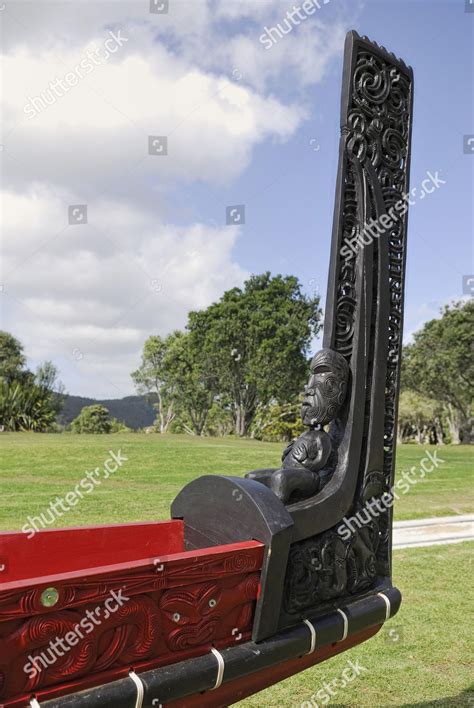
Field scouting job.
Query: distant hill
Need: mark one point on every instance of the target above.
(134, 411)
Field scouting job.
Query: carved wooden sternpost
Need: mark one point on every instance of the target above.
(363, 322)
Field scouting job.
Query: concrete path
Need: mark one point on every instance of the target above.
(433, 532)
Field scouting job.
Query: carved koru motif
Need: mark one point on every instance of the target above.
(330, 566)
(193, 616)
(165, 615)
(377, 136)
(39, 655)
(374, 185)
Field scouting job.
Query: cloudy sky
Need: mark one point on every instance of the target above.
(105, 243)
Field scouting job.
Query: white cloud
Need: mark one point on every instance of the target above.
(199, 76)
(99, 128)
(104, 296)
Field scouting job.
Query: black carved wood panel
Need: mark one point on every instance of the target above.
(364, 319)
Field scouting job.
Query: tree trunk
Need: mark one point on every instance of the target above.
(454, 425)
(439, 431)
(399, 434)
(240, 421)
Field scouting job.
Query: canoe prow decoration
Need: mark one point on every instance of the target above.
(255, 577)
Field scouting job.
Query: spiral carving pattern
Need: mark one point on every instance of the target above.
(375, 139)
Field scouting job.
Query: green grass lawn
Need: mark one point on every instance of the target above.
(36, 468)
(429, 664)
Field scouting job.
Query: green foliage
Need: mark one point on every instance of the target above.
(12, 360)
(219, 421)
(278, 421)
(440, 364)
(27, 401)
(153, 377)
(46, 377)
(25, 407)
(118, 426)
(92, 419)
(173, 369)
(417, 414)
(254, 342)
(194, 386)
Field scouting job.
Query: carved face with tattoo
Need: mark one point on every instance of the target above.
(326, 389)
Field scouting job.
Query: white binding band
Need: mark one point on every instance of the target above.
(140, 688)
(346, 625)
(220, 668)
(388, 606)
(34, 703)
(313, 636)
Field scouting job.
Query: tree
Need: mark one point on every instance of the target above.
(192, 384)
(153, 376)
(174, 371)
(255, 342)
(440, 364)
(47, 378)
(12, 360)
(219, 421)
(92, 419)
(419, 413)
(27, 402)
(278, 421)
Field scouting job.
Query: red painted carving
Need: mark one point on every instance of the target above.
(146, 613)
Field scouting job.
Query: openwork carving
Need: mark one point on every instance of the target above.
(367, 314)
(330, 566)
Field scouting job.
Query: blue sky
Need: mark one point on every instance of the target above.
(288, 189)
(156, 244)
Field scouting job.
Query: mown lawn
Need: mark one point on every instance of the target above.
(35, 468)
(422, 658)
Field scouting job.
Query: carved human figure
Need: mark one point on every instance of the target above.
(324, 395)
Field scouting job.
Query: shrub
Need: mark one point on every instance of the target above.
(92, 419)
(26, 407)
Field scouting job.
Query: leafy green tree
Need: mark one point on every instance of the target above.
(47, 378)
(153, 377)
(92, 419)
(27, 402)
(219, 421)
(12, 360)
(440, 365)
(278, 421)
(255, 342)
(417, 413)
(174, 372)
(192, 384)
